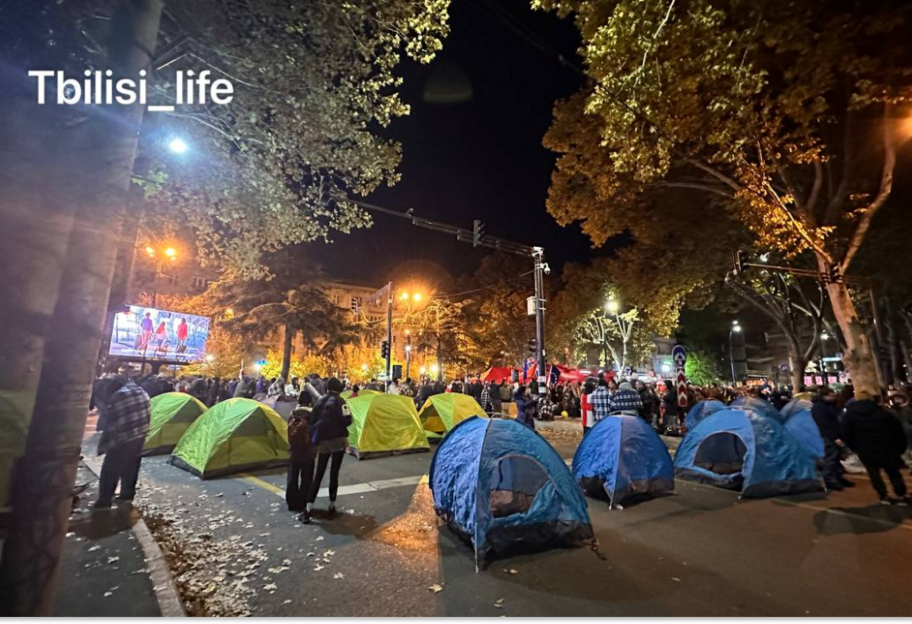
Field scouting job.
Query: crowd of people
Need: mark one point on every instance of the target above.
(876, 429)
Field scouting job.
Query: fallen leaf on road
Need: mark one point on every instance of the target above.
(94, 548)
(511, 571)
(106, 594)
(436, 588)
(286, 602)
(318, 567)
(329, 553)
(319, 538)
(675, 579)
(113, 559)
(338, 575)
(270, 587)
(310, 554)
(499, 603)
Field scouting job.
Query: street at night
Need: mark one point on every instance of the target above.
(455, 308)
(702, 552)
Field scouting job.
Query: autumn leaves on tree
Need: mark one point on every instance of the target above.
(779, 114)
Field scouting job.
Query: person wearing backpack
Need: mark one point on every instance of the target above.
(301, 464)
(329, 437)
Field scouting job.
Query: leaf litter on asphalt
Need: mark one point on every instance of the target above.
(436, 588)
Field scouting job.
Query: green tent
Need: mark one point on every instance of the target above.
(172, 415)
(384, 424)
(233, 436)
(442, 412)
(362, 392)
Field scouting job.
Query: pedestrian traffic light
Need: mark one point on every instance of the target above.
(384, 349)
(533, 346)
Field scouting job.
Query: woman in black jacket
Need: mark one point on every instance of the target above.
(329, 436)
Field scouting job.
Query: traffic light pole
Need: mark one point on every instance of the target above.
(538, 255)
(478, 238)
(389, 333)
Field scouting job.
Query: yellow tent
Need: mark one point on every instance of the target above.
(384, 424)
(442, 412)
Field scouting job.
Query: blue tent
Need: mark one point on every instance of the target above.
(622, 456)
(795, 405)
(701, 410)
(764, 408)
(740, 450)
(499, 484)
(802, 426)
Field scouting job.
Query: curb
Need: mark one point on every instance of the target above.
(166, 594)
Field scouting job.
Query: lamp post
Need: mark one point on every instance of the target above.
(824, 336)
(735, 329)
(408, 360)
(158, 256)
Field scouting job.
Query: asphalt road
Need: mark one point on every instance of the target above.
(701, 552)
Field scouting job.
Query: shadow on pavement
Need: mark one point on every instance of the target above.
(103, 523)
(859, 520)
(344, 523)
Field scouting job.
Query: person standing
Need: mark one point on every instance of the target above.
(600, 400)
(878, 438)
(526, 406)
(146, 327)
(182, 331)
(825, 412)
(393, 387)
(301, 464)
(329, 437)
(586, 413)
(128, 412)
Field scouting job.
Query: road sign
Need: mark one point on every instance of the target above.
(682, 389)
(679, 355)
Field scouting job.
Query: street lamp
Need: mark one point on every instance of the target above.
(612, 306)
(824, 336)
(177, 145)
(168, 252)
(735, 329)
(408, 360)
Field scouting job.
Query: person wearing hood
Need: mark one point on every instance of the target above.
(329, 437)
(526, 406)
(878, 438)
(625, 401)
(825, 412)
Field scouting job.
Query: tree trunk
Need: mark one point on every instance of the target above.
(858, 357)
(92, 178)
(286, 351)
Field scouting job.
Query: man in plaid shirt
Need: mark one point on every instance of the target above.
(626, 401)
(128, 414)
(600, 400)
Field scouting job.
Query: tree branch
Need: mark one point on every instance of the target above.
(696, 186)
(714, 173)
(815, 189)
(886, 187)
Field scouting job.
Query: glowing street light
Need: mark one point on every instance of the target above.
(178, 146)
(417, 296)
(171, 252)
(612, 306)
(403, 296)
(435, 369)
(210, 357)
(150, 251)
(423, 370)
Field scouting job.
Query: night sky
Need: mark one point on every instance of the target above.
(472, 148)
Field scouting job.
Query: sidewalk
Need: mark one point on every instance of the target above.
(103, 572)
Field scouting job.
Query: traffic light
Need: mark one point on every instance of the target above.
(355, 304)
(384, 349)
(477, 232)
(533, 346)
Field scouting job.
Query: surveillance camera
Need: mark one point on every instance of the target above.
(547, 269)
